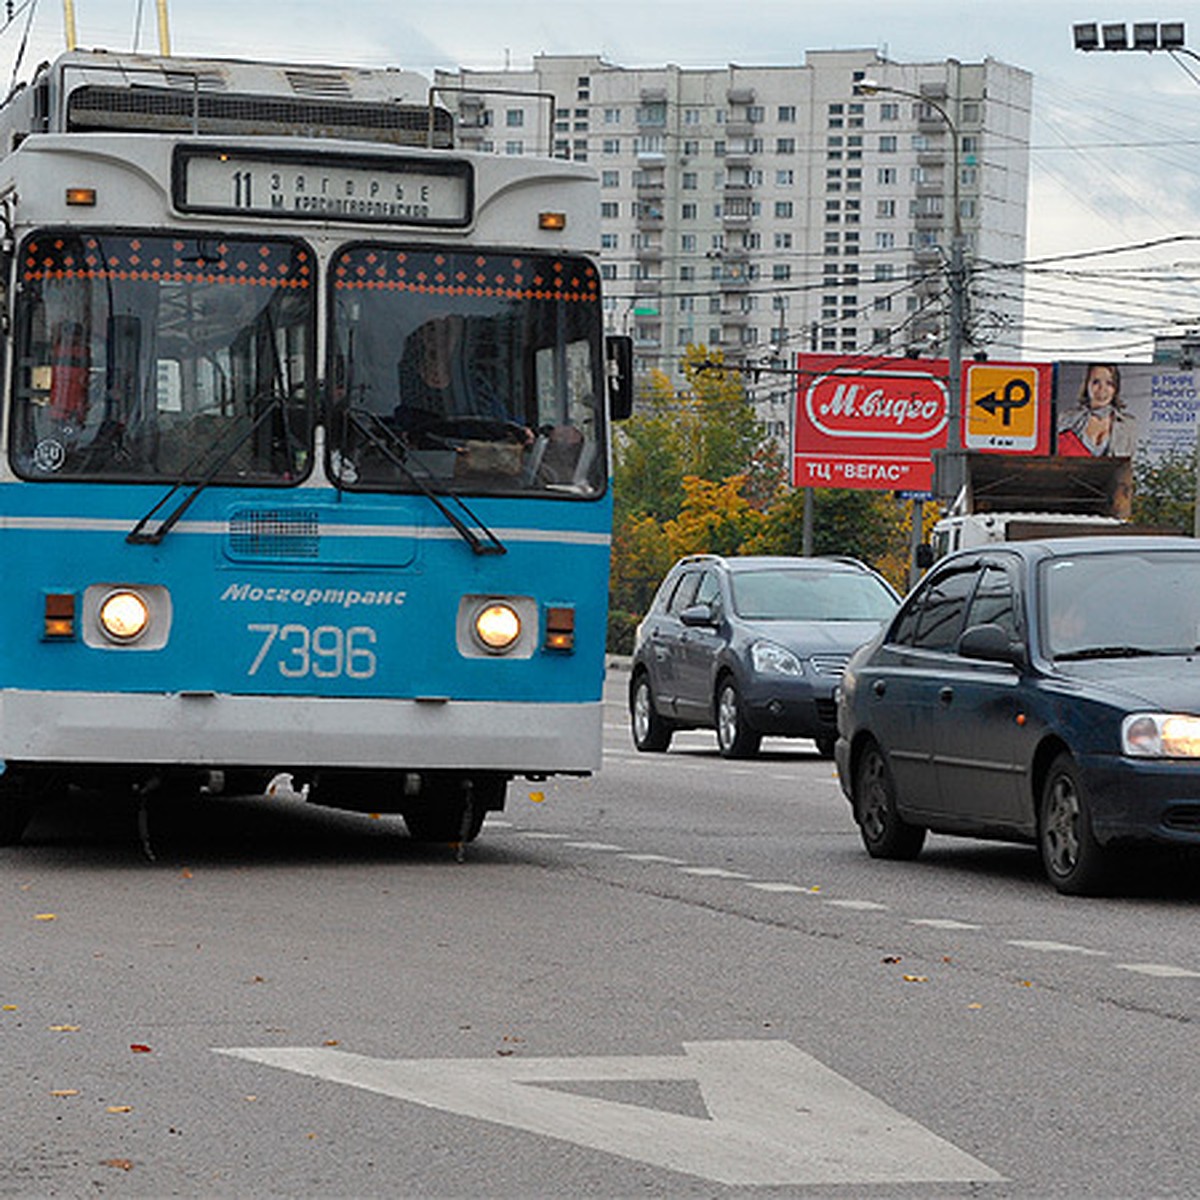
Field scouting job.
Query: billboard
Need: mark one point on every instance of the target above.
(876, 422)
(1145, 411)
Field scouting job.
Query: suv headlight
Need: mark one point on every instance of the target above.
(1161, 735)
(769, 658)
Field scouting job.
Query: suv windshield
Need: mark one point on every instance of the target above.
(147, 357)
(810, 595)
(480, 372)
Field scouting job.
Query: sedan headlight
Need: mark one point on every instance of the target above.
(769, 658)
(1161, 735)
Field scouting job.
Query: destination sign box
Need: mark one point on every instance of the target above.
(322, 187)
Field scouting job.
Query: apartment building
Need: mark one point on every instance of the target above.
(765, 210)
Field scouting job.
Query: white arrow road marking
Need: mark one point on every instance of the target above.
(777, 1115)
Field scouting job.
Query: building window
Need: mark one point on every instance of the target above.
(755, 114)
(691, 149)
(610, 146)
(609, 241)
(609, 209)
(687, 274)
(784, 209)
(884, 272)
(691, 116)
(612, 116)
(690, 181)
(514, 148)
(785, 145)
(885, 239)
(886, 209)
(783, 241)
(887, 143)
(889, 110)
(781, 272)
(786, 114)
(610, 179)
(785, 177)
(608, 270)
(885, 176)
(514, 118)
(970, 144)
(687, 212)
(687, 243)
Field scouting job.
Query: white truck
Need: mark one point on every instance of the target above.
(1016, 499)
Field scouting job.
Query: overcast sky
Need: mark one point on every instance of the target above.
(1116, 141)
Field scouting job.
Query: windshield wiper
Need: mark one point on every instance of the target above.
(1114, 652)
(389, 443)
(139, 535)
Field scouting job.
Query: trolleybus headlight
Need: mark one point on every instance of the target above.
(124, 616)
(497, 626)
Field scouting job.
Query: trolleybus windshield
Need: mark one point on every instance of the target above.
(149, 356)
(484, 369)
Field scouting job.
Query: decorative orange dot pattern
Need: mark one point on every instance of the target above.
(509, 277)
(172, 260)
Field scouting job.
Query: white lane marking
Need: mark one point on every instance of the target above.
(713, 872)
(942, 923)
(781, 887)
(1055, 947)
(778, 1117)
(541, 837)
(859, 905)
(593, 846)
(1159, 970)
(655, 858)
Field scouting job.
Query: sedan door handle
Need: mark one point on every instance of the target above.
(879, 687)
(946, 695)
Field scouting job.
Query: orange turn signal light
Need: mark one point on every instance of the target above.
(560, 629)
(58, 620)
(552, 220)
(81, 196)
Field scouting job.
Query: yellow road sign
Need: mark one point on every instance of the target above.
(1002, 407)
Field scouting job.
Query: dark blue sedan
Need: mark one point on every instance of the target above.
(1044, 692)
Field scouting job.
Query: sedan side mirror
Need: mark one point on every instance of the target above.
(991, 643)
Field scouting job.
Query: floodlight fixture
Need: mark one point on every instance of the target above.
(1171, 35)
(1115, 37)
(1145, 35)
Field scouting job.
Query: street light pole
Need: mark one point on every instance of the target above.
(949, 464)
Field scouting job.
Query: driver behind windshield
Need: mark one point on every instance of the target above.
(442, 402)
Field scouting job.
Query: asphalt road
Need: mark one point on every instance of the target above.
(683, 977)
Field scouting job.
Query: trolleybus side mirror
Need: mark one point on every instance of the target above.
(618, 369)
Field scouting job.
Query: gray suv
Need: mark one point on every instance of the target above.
(751, 646)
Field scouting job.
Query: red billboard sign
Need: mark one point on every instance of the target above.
(868, 423)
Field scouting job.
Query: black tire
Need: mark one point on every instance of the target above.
(1075, 863)
(651, 732)
(735, 738)
(825, 745)
(441, 814)
(16, 809)
(884, 832)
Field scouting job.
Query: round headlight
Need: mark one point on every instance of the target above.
(497, 626)
(124, 616)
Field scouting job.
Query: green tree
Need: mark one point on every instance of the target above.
(1164, 492)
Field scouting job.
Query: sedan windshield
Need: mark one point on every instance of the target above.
(473, 372)
(810, 596)
(160, 357)
(1120, 604)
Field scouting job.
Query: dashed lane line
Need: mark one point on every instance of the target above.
(779, 887)
(1054, 947)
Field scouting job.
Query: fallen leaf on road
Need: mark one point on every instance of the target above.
(64, 1092)
(119, 1108)
(63, 1028)
(974, 1005)
(891, 959)
(1027, 983)
(8, 1008)
(139, 1048)
(537, 797)
(331, 1042)
(45, 916)
(916, 978)
(121, 1164)
(186, 873)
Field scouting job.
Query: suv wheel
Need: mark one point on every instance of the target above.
(650, 731)
(735, 739)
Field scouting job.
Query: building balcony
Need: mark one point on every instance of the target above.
(650, 222)
(651, 253)
(647, 287)
(740, 128)
(740, 95)
(734, 318)
(932, 156)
